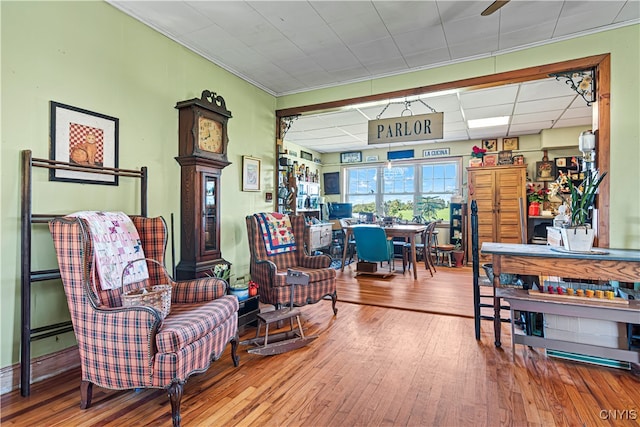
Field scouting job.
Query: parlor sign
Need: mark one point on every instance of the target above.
(406, 129)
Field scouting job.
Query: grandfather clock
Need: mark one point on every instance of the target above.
(202, 154)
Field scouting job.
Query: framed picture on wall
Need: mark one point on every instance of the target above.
(510, 143)
(351, 157)
(84, 138)
(545, 171)
(490, 144)
(250, 174)
(332, 183)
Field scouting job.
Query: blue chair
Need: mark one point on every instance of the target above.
(372, 245)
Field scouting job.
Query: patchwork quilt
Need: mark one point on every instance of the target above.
(276, 232)
(115, 242)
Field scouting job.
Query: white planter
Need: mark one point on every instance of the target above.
(579, 239)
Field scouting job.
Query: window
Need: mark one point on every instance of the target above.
(407, 190)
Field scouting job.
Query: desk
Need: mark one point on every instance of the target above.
(408, 231)
(520, 300)
(537, 260)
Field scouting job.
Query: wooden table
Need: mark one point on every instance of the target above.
(541, 260)
(408, 231)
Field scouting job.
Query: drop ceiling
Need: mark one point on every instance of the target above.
(286, 47)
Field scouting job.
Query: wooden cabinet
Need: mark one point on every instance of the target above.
(318, 236)
(500, 193)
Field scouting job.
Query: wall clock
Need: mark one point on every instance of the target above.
(209, 135)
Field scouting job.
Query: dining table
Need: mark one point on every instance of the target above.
(405, 231)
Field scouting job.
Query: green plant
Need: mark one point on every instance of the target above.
(221, 271)
(583, 197)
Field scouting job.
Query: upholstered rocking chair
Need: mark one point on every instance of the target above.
(134, 347)
(276, 243)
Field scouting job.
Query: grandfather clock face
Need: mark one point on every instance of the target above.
(209, 135)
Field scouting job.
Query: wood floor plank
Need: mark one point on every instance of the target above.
(373, 366)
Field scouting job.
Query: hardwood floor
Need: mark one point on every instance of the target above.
(369, 366)
(449, 291)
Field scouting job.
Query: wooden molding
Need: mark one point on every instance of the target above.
(41, 368)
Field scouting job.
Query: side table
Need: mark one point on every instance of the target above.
(248, 313)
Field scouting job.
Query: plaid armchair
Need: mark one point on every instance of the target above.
(270, 271)
(133, 347)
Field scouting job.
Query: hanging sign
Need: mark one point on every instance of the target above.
(406, 129)
(436, 152)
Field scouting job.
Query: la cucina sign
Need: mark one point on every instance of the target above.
(406, 129)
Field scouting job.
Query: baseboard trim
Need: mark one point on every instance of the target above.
(41, 368)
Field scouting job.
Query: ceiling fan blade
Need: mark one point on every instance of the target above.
(493, 7)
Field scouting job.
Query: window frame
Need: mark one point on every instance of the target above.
(417, 193)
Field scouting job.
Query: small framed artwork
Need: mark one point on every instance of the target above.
(371, 158)
(510, 143)
(351, 157)
(332, 183)
(561, 162)
(306, 155)
(83, 138)
(545, 171)
(490, 160)
(268, 197)
(490, 144)
(518, 159)
(250, 174)
(505, 157)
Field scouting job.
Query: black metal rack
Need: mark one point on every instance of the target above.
(28, 218)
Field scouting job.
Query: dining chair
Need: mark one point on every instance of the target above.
(373, 245)
(425, 248)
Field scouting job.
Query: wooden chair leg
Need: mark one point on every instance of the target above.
(175, 397)
(86, 393)
(234, 350)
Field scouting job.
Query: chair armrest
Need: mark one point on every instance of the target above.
(315, 261)
(106, 334)
(198, 290)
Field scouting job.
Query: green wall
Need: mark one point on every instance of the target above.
(90, 55)
(624, 46)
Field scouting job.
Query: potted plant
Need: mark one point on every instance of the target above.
(458, 253)
(579, 234)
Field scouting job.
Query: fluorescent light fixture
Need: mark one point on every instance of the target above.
(488, 122)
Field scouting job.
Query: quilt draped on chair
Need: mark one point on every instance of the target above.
(116, 242)
(277, 232)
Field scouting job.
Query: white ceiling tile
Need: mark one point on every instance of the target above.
(557, 103)
(458, 32)
(421, 39)
(426, 58)
(492, 132)
(541, 89)
(373, 51)
(489, 111)
(578, 121)
(530, 16)
(172, 18)
(529, 128)
(544, 116)
(573, 113)
(486, 97)
(575, 17)
(630, 11)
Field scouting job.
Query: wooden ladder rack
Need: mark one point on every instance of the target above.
(28, 218)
